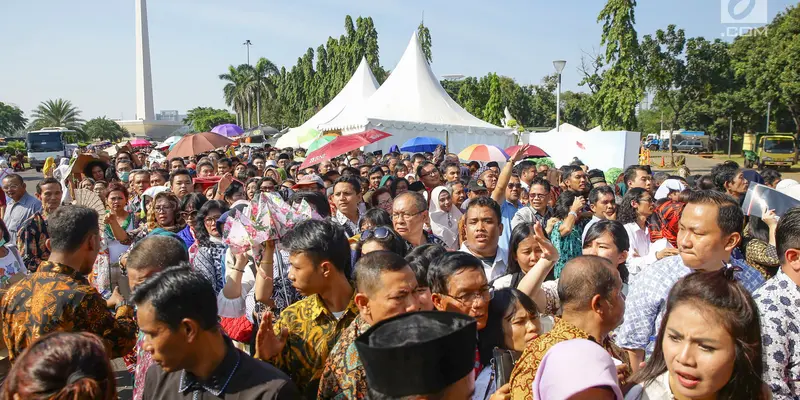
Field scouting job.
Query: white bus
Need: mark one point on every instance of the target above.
(44, 143)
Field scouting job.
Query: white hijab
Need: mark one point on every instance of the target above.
(444, 224)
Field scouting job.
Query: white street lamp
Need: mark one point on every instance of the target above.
(559, 65)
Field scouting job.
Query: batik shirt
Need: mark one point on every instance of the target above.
(31, 240)
(313, 331)
(778, 304)
(344, 376)
(58, 298)
(647, 299)
(525, 370)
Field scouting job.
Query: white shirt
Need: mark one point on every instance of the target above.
(496, 269)
(639, 255)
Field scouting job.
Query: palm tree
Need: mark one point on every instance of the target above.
(234, 91)
(57, 112)
(262, 84)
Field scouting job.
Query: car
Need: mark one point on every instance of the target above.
(689, 146)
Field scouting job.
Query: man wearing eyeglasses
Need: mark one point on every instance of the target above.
(429, 175)
(21, 205)
(409, 213)
(458, 284)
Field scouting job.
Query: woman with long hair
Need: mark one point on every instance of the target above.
(708, 344)
(374, 217)
(380, 238)
(251, 187)
(62, 365)
(636, 207)
(399, 186)
(210, 247)
(568, 228)
(164, 214)
(513, 323)
(444, 217)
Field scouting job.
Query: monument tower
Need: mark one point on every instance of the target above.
(144, 78)
(145, 122)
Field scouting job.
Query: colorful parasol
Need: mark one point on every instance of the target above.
(139, 142)
(321, 142)
(483, 152)
(228, 130)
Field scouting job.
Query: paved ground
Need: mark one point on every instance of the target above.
(701, 165)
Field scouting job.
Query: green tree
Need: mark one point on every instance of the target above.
(236, 90)
(575, 110)
(493, 111)
(203, 119)
(769, 64)
(424, 36)
(12, 119)
(102, 128)
(59, 112)
(682, 72)
(622, 87)
(260, 84)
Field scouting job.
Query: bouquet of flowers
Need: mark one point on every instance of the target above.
(268, 217)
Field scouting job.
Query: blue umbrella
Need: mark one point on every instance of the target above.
(421, 144)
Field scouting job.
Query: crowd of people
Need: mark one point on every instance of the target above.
(425, 277)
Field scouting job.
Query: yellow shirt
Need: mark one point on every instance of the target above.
(313, 331)
(525, 369)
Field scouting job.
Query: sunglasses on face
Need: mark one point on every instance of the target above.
(377, 233)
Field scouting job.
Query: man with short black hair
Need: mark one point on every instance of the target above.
(710, 228)
(151, 255)
(771, 177)
(527, 173)
(299, 344)
(58, 297)
(452, 171)
(730, 179)
(176, 164)
(638, 176)
(386, 287)
(224, 166)
(777, 304)
(177, 311)
(20, 207)
(375, 175)
(159, 177)
(484, 226)
(205, 169)
(590, 292)
(429, 175)
(260, 162)
(603, 204)
(574, 179)
(416, 159)
(32, 235)
(180, 181)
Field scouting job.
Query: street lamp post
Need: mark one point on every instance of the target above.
(559, 65)
(248, 43)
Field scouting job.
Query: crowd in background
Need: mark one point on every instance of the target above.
(425, 277)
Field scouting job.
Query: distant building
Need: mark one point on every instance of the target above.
(169, 115)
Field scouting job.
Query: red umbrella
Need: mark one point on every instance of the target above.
(191, 145)
(533, 151)
(341, 145)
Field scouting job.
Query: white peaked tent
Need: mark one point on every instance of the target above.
(358, 89)
(412, 103)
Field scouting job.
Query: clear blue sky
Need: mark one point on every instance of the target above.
(84, 50)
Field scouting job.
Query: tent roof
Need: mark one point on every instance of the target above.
(411, 96)
(567, 127)
(357, 90)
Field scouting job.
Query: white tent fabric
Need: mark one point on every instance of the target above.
(355, 93)
(598, 149)
(566, 127)
(595, 129)
(412, 103)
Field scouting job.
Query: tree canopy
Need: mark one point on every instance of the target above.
(203, 119)
(12, 119)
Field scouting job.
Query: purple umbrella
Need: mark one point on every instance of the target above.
(228, 130)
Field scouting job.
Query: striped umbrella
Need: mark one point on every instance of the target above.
(483, 152)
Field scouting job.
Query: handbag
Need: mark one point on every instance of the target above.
(502, 363)
(239, 329)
